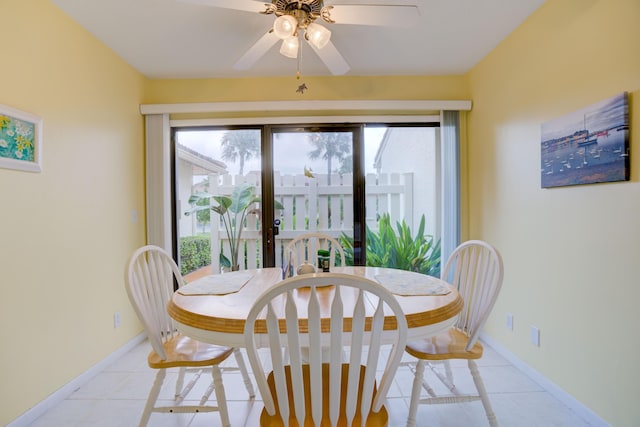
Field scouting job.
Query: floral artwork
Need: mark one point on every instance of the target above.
(16, 138)
(19, 140)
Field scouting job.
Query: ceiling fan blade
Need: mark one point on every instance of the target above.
(256, 51)
(370, 14)
(245, 5)
(332, 59)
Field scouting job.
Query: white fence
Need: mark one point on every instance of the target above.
(329, 201)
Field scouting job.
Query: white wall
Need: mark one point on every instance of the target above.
(413, 150)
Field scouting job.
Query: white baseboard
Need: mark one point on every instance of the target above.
(65, 391)
(576, 406)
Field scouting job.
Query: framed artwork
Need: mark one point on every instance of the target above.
(587, 146)
(20, 140)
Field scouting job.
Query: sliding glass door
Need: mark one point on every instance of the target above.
(243, 193)
(314, 180)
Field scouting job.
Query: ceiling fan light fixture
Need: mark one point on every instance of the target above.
(317, 35)
(290, 47)
(285, 26)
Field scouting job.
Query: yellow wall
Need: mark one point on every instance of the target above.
(571, 255)
(66, 233)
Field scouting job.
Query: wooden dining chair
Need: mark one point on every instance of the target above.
(304, 249)
(150, 276)
(475, 268)
(325, 310)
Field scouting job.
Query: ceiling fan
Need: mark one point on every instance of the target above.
(295, 20)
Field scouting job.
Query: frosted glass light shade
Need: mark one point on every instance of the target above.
(290, 47)
(284, 26)
(317, 35)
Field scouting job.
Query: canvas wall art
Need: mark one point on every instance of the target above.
(20, 140)
(587, 146)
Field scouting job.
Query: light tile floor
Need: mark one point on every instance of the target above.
(116, 397)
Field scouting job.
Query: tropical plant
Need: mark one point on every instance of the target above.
(240, 145)
(204, 216)
(402, 251)
(233, 210)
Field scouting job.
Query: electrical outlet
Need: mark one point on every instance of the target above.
(535, 336)
(510, 321)
(134, 216)
(116, 319)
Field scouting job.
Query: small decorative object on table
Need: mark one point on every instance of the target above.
(323, 260)
(305, 268)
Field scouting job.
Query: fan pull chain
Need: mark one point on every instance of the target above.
(298, 60)
(303, 86)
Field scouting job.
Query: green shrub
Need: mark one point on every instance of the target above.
(402, 251)
(195, 252)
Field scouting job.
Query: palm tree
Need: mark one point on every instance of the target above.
(329, 146)
(240, 145)
(346, 165)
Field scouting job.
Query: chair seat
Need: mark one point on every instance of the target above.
(380, 418)
(184, 351)
(447, 345)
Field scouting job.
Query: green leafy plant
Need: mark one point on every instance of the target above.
(398, 250)
(233, 210)
(195, 252)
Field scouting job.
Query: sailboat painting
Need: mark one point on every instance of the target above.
(587, 146)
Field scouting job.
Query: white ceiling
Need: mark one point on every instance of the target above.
(172, 39)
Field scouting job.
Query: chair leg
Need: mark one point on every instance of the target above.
(153, 397)
(243, 371)
(181, 390)
(415, 393)
(449, 373)
(446, 379)
(180, 382)
(220, 395)
(482, 391)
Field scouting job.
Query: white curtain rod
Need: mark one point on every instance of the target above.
(302, 120)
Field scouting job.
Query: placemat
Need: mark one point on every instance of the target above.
(408, 283)
(217, 284)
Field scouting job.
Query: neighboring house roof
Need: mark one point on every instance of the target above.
(202, 165)
(377, 161)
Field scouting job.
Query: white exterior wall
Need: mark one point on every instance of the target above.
(413, 150)
(186, 224)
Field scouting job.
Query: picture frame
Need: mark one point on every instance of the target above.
(587, 146)
(20, 140)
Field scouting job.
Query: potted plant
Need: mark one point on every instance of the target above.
(234, 210)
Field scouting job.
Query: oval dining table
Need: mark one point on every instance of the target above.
(220, 319)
